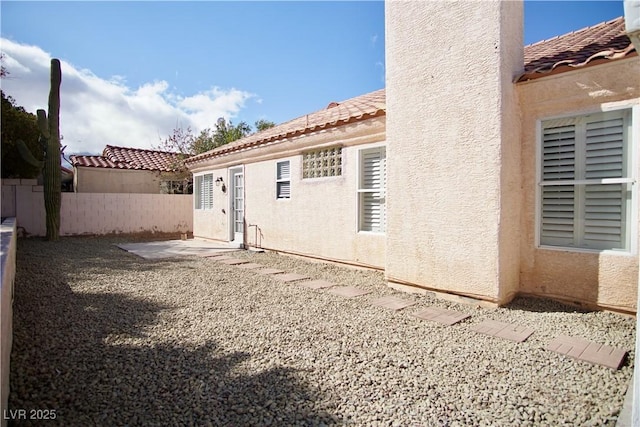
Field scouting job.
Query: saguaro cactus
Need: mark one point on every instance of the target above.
(50, 143)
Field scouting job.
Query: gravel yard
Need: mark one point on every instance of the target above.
(103, 337)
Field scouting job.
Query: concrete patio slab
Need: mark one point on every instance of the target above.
(268, 271)
(392, 303)
(317, 284)
(503, 330)
(441, 315)
(250, 266)
(587, 351)
(348, 291)
(176, 248)
(290, 277)
(234, 261)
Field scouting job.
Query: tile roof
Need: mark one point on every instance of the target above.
(129, 158)
(589, 46)
(335, 114)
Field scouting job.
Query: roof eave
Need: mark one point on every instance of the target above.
(222, 151)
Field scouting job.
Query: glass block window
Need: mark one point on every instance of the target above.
(322, 163)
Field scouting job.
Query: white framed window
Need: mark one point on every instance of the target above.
(204, 191)
(283, 180)
(371, 190)
(586, 182)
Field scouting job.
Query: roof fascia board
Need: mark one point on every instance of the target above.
(574, 71)
(357, 133)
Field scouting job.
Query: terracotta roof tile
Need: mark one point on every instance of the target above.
(335, 114)
(589, 46)
(129, 158)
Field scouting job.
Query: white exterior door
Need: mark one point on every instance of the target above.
(237, 205)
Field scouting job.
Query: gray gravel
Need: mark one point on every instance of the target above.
(103, 337)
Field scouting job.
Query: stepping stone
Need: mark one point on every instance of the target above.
(348, 291)
(441, 315)
(392, 303)
(233, 261)
(587, 351)
(211, 255)
(222, 257)
(269, 271)
(317, 284)
(290, 277)
(503, 330)
(250, 265)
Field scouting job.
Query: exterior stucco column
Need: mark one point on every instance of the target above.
(453, 158)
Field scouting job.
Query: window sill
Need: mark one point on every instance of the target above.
(614, 252)
(372, 233)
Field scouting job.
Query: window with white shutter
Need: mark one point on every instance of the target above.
(586, 181)
(371, 190)
(283, 180)
(204, 191)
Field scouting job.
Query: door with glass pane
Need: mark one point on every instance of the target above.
(237, 205)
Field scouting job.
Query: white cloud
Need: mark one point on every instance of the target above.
(95, 111)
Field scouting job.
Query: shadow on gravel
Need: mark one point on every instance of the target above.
(539, 305)
(74, 353)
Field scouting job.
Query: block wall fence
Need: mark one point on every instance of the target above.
(97, 213)
(8, 268)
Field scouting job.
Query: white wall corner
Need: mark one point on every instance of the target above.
(632, 21)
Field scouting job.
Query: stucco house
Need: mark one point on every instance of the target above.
(484, 169)
(130, 170)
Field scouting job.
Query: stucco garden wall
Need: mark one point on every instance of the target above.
(602, 279)
(103, 180)
(99, 213)
(453, 159)
(8, 268)
(320, 218)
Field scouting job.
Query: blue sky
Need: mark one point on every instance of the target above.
(132, 71)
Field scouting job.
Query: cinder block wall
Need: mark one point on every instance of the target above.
(8, 266)
(99, 213)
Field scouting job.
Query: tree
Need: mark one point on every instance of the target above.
(3, 71)
(184, 142)
(180, 141)
(204, 141)
(18, 124)
(227, 132)
(263, 124)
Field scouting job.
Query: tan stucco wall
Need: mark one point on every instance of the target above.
(602, 279)
(453, 158)
(102, 180)
(8, 243)
(320, 218)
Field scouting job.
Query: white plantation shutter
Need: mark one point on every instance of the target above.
(585, 181)
(283, 180)
(206, 194)
(372, 190)
(604, 204)
(204, 191)
(558, 163)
